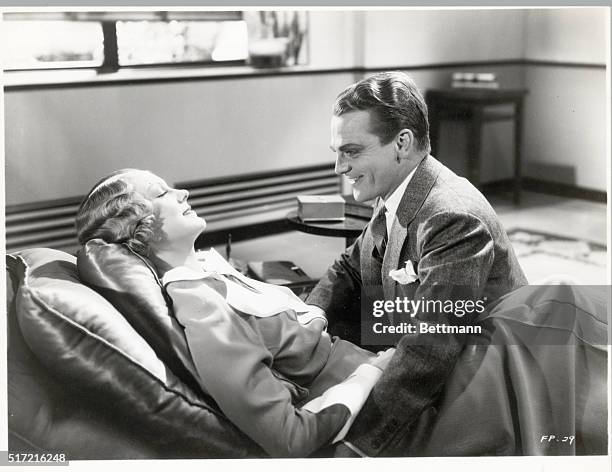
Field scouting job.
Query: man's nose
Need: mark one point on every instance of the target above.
(342, 166)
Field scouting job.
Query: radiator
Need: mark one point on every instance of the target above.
(226, 203)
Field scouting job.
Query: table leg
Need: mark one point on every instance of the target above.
(474, 143)
(518, 128)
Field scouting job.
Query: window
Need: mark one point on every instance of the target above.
(108, 41)
(155, 42)
(52, 44)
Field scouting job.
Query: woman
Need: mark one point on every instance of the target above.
(259, 351)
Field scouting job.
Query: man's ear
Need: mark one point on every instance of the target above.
(404, 143)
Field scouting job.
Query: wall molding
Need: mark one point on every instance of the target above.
(37, 80)
(564, 64)
(547, 187)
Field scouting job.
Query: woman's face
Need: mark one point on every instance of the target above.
(176, 221)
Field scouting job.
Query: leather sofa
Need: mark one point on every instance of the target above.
(106, 373)
(83, 381)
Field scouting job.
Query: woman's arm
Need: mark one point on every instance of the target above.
(235, 368)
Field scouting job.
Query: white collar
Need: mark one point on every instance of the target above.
(269, 299)
(392, 203)
(211, 263)
(183, 273)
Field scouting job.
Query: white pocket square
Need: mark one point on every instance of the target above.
(405, 275)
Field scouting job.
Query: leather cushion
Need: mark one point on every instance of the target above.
(89, 346)
(130, 284)
(42, 415)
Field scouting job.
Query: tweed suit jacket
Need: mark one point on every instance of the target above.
(448, 232)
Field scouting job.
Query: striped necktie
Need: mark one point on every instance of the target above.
(379, 234)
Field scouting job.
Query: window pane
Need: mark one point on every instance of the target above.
(151, 42)
(52, 44)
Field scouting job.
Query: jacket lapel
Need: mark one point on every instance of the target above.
(368, 274)
(416, 192)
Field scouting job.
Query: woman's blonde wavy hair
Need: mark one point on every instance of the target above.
(115, 213)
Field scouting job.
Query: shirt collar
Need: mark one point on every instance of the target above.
(183, 273)
(211, 263)
(392, 203)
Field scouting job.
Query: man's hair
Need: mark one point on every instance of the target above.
(394, 103)
(115, 213)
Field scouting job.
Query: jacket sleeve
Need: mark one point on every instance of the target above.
(236, 369)
(339, 290)
(456, 255)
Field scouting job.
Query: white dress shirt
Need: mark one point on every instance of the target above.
(392, 203)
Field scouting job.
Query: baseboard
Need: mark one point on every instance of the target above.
(548, 187)
(554, 172)
(497, 186)
(563, 190)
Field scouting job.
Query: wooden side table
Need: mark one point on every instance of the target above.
(470, 105)
(350, 228)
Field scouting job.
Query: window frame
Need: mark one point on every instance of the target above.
(108, 22)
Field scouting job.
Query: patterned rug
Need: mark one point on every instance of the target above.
(544, 255)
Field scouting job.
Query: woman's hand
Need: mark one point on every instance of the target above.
(313, 319)
(382, 359)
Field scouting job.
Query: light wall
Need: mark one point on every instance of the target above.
(567, 35)
(332, 38)
(421, 37)
(59, 141)
(565, 123)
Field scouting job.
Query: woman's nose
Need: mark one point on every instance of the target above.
(183, 195)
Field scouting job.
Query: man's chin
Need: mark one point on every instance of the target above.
(361, 196)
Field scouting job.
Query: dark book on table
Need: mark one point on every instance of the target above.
(354, 208)
(280, 273)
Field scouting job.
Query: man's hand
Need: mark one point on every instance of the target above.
(382, 359)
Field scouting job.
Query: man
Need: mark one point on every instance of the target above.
(431, 230)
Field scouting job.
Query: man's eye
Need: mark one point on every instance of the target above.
(350, 152)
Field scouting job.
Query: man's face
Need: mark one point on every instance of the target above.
(370, 166)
